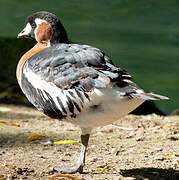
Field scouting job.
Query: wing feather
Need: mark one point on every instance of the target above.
(82, 67)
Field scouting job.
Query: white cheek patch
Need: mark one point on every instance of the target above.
(26, 30)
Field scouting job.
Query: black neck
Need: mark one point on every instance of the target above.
(59, 35)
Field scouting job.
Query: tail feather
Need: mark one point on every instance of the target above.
(149, 96)
(157, 96)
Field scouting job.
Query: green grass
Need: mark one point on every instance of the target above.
(140, 36)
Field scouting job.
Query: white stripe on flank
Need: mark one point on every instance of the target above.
(49, 87)
(54, 91)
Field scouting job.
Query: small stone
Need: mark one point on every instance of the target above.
(159, 158)
(113, 150)
(129, 178)
(19, 171)
(174, 137)
(158, 149)
(131, 134)
(94, 159)
(140, 138)
(116, 151)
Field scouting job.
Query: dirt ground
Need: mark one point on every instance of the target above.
(135, 147)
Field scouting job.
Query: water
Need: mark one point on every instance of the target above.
(140, 36)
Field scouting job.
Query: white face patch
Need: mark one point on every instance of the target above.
(39, 21)
(25, 31)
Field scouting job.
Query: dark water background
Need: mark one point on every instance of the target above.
(141, 36)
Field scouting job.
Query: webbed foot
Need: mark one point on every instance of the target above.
(69, 170)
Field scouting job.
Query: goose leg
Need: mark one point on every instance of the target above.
(81, 160)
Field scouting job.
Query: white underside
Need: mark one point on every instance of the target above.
(108, 112)
(112, 104)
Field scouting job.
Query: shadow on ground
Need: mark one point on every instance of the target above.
(152, 173)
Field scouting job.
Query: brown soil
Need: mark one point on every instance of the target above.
(148, 149)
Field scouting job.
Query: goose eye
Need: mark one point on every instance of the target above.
(33, 25)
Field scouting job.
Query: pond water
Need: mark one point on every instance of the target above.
(140, 36)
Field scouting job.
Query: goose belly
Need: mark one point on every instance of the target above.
(107, 112)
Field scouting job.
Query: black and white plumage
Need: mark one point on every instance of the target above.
(75, 83)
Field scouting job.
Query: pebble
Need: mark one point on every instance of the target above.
(129, 178)
(131, 134)
(94, 159)
(116, 151)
